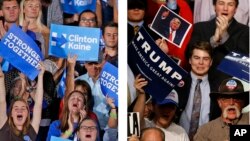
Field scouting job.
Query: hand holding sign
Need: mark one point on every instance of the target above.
(110, 102)
(109, 81)
(139, 83)
(21, 51)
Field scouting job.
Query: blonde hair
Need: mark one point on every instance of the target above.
(38, 19)
(12, 125)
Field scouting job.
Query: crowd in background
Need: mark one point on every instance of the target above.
(210, 100)
(35, 109)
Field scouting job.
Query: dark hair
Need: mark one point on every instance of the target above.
(87, 11)
(236, 1)
(97, 127)
(201, 45)
(90, 99)
(109, 24)
(137, 4)
(153, 128)
(1, 2)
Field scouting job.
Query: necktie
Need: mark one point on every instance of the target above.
(195, 116)
(170, 35)
(136, 29)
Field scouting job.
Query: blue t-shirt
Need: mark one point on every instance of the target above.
(54, 130)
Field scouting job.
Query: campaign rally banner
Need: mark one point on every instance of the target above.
(77, 6)
(133, 124)
(161, 72)
(21, 51)
(109, 81)
(237, 65)
(54, 138)
(82, 41)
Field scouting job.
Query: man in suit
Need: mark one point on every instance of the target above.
(225, 35)
(172, 32)
(200, 59)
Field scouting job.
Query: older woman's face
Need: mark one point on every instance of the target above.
(31, 8)
(19, 113)
(76, 102)
(87, 131)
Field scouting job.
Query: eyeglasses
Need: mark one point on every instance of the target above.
(88, 128)
(88, 20)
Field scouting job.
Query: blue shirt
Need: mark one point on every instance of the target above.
(101, 109)
(54, 130)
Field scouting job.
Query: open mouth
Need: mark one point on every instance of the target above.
(88, 136)
(19, 117)
(225, 14)
(231, 109)
(74, 105)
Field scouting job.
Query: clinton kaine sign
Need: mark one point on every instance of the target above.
(161, 72)
(82, 41)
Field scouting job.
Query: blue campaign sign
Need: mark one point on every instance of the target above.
(54, 138)
(77, 6)
(21, 51)
(82, 41)
(237, 65)
(161, 72)
(109, 81)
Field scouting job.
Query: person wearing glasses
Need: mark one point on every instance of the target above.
(88, 18)
(88, 130)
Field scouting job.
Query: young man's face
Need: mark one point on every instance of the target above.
(225, 7)
(200, 62)
(10, 11)
(110, 37)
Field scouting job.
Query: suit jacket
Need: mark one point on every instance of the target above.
(131, 32)
(183, 95)
(177, 38)
(238, 41)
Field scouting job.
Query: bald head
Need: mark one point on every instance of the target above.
(152, 134)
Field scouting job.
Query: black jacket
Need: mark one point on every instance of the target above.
(238, 41)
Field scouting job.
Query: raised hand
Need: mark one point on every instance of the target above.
(222, 25)
(110, 101)
(140, 83)
(72, 59)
